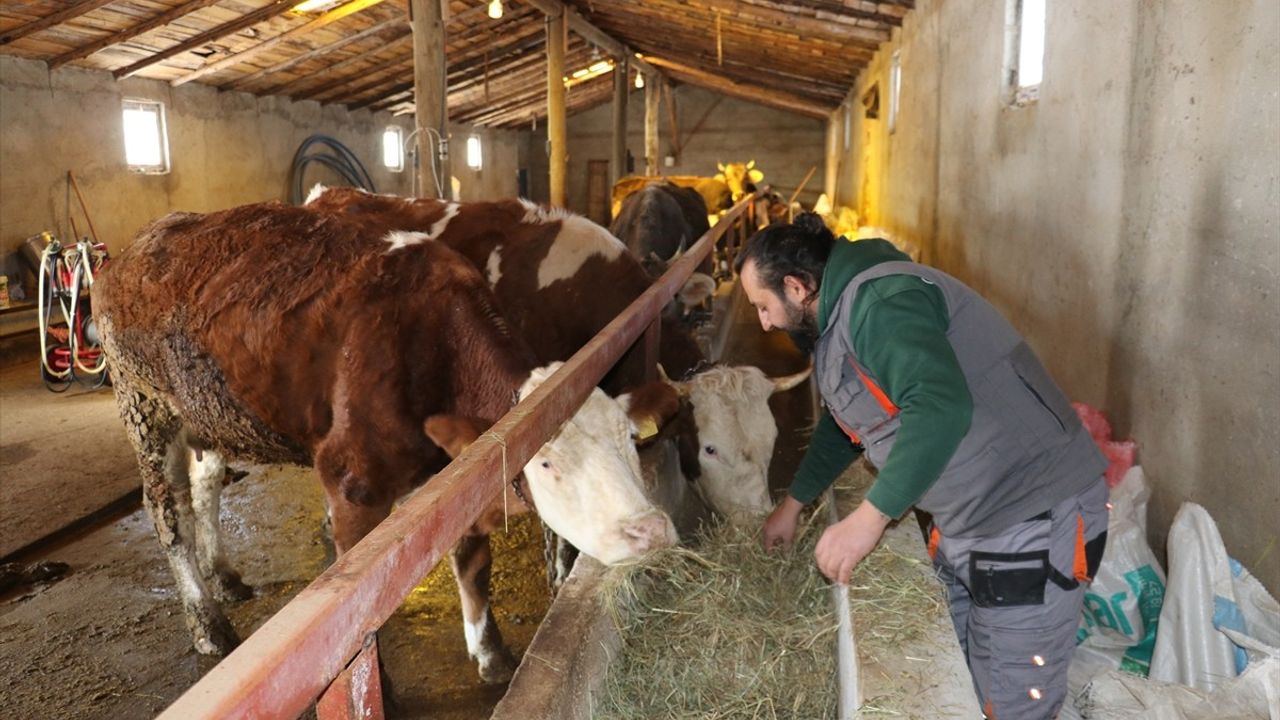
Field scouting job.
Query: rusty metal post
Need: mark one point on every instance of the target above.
(356, 694)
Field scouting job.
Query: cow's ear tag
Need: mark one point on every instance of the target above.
(646, 429)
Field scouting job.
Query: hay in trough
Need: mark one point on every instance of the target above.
(727, 631)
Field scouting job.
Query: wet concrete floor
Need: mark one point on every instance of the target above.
(107, 640)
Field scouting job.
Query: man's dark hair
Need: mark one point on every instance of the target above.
(800, 249)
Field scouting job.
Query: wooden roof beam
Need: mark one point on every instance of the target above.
(49, 21)
(733, 88)
(593, 34)
(85, 51)
(327, 18)
(821, 24)
(400, 23)
(263, 13)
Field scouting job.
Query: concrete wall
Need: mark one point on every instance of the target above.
(783, 144)
(226, 149)
(1127, 222)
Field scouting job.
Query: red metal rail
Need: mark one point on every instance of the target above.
(284, 666)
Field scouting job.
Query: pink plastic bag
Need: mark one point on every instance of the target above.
(1120, 454)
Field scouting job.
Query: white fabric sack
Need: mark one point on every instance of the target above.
(1214, 612)
(1255, 695)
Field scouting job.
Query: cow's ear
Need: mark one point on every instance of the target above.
(453, 432)
(755, 175)
(650, 407)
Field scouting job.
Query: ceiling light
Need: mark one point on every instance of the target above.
(307, 6)
(639, 80)
(495, 9)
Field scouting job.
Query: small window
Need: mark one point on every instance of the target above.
(393, 148)
(474, 159)
(146, 145)
(1024, 50)
(895, 89)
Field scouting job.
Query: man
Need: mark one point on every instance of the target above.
(945, 398)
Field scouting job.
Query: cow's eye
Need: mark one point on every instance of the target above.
(710, 450)
(546, 464)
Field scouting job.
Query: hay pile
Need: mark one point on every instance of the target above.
(729, 631)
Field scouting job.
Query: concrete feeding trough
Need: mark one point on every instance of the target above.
(564, 671)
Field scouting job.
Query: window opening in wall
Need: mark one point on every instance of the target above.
(895, 89)
(146, 145)
(474, 159)
(393, 148)
(1024, 50)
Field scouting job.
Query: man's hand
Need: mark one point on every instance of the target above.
(843, 545)
(780, 526)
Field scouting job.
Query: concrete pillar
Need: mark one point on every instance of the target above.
(556, 133)
(621, 89)
(430, 108)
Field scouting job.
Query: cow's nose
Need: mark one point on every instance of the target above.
(649, 531)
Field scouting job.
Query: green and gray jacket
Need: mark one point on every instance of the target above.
(943, 394)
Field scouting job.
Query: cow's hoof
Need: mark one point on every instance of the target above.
(497, 667)
(228, 587)
(219, 639)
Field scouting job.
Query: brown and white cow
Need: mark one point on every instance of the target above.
(559, 279)
(279, 334)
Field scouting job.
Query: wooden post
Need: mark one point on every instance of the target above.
(429, 98)
(621, 89)
(833, 158)
(356, 694)
(652, 94)
(556, 134)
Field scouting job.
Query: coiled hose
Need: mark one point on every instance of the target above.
(341, 160)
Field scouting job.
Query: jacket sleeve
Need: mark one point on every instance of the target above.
(830, 451)
(900, 334)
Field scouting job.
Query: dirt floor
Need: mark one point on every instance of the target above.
(107, 640)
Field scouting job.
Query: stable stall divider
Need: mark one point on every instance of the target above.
(281, 669)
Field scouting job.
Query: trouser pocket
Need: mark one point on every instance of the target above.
(1008, 579)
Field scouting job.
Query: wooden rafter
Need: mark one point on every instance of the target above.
(399, 23)
(764, 76)
(277, 7)
(341, 79)
(764, 96)
(49, 21)
(115, 39)
(327, 18)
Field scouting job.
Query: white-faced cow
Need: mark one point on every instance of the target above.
(559, 279)
(280, 334)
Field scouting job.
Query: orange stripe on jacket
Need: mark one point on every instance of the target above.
(876, 392)
(935, 537)
(1081, 564)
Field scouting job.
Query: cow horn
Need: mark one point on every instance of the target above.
(786, 382)
(681, 389)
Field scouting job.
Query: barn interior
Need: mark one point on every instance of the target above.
(1113, 189)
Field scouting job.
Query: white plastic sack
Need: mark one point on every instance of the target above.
(1122, 605)
(1214, 610)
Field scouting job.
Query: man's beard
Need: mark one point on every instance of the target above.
(802, 328)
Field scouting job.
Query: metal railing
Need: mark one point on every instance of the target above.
(311, 642)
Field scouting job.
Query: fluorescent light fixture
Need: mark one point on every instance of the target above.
(495, 9)
(593, 70)
(307, 6)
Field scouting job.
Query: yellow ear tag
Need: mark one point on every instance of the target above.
(646, 429)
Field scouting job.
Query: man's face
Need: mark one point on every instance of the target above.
(791, 312)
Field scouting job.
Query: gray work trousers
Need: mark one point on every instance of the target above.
(1015, 602)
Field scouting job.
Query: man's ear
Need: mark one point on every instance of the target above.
(795, 289)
